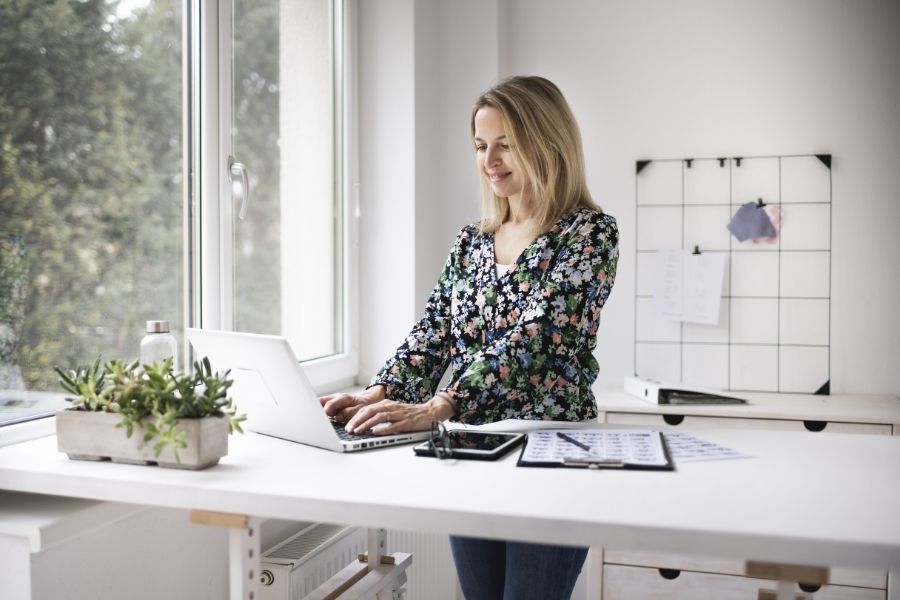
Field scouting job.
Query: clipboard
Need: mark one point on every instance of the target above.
(608, 448)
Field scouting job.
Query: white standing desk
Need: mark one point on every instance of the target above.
(824, 500)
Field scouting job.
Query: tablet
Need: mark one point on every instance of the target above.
(478, 445)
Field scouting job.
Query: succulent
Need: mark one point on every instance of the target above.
(152, 397)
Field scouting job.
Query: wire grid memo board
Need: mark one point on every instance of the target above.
(774, 331)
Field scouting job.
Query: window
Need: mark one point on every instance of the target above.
(90, 181)
(275, 254)
(95, 235)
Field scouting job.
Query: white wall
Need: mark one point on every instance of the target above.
(418, 78)
(386, 57)
(650, 79)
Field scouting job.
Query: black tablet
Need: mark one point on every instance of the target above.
(478, 445)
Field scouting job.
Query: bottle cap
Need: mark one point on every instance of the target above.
(157, 327)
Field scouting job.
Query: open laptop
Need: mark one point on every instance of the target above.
(272, 389)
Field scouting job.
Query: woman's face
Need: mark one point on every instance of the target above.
(494, 156)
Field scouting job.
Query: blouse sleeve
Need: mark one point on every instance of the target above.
(554, 334)
(415, 370)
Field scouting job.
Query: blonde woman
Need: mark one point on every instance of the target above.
(514, 315)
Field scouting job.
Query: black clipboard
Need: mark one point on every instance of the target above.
(598, 461)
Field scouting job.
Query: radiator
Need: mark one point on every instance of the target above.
(295, 566)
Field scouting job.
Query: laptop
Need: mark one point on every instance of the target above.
(271, 388)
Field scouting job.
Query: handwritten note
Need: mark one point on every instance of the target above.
(689, 286)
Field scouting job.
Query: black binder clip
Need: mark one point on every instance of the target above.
(696, 250)
(760, 203)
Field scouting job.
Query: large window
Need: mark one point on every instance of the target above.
(286, 234)
(279, 252)
(95, 234)
(90, 181)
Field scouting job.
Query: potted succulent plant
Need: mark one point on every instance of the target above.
(182, 420)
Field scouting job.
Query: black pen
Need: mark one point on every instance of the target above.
(572, 440)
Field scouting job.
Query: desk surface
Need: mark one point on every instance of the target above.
(826, 499)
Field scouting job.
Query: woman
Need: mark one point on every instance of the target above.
(514, 315)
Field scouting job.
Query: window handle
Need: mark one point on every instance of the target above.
(240, 185)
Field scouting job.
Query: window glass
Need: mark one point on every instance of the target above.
(286, 250)
(90, 181)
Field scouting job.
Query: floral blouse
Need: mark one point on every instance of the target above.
(519, 346)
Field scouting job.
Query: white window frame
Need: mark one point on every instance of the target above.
(208, 234)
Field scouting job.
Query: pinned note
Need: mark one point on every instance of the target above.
(751, 221)
(774, 212)
(689, 286)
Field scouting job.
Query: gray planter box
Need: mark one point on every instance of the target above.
(87, 435)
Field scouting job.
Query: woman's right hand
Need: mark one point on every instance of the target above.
(343, 406)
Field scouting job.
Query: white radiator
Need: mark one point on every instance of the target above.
(295, 566)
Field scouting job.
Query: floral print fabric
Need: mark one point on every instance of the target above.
(519, 345)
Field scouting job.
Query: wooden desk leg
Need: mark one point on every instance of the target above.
(243, 551)
(381, 581)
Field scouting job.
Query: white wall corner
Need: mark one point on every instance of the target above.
(387, 180)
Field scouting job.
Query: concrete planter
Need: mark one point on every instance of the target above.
(85, 435)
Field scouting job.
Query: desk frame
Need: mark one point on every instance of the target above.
(697, 507)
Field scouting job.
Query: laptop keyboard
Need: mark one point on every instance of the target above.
(350, 437)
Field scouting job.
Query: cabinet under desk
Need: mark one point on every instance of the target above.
(648, 576)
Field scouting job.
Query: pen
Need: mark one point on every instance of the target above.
(572, 440)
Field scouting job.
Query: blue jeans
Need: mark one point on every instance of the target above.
(497, 570)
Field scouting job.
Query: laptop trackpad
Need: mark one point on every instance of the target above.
(248, 383)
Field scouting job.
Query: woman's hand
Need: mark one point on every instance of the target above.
(369, 410)
(387, 417)
(343, 406)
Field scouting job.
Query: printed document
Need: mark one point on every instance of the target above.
(689, 286)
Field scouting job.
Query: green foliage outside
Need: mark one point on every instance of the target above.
(90, 175)
(91, 190)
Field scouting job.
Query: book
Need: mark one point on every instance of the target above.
(596, 449)
(663, 393)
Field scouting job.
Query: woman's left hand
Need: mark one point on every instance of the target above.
(389, 416)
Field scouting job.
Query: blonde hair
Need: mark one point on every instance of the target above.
(545, 141)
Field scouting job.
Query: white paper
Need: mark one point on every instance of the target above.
(689, 286)
(633, 447)
(687, 448)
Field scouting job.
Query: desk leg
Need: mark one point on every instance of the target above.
(15, 568)
(594, 568)
(243, 551)
(376, 540)
(359, 581)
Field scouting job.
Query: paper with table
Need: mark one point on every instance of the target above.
(596, 448)
(618, 448)
(684, 447)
